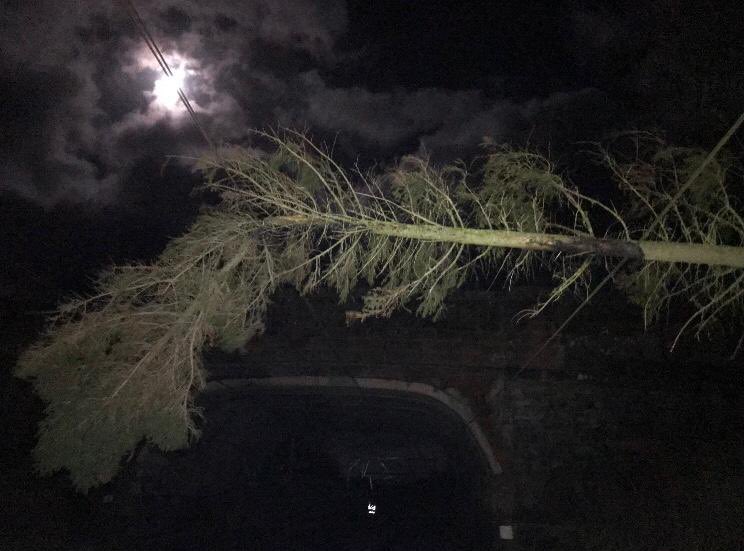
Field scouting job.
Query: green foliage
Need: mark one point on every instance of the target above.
(704, 213)
(526, 183)
(125, 364)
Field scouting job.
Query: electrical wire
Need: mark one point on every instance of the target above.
(160, 58)
(672, 202)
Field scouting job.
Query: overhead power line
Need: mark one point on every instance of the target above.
(152, 45)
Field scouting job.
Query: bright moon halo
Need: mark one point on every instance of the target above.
(166, 89)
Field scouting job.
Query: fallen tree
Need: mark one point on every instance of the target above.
(125, 363)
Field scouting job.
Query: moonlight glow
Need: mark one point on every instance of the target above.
(166, 88)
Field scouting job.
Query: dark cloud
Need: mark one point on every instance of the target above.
(449, 124)
(175, 21)
(676, 67)
(78, 99)
(79, 85)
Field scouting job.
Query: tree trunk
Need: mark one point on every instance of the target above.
(658, 251)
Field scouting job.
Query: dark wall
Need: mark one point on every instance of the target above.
(605, 436)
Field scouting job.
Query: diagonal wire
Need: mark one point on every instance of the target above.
(686, 186)
(160, 58)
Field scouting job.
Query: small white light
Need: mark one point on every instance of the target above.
(371, 509)
(506, 532)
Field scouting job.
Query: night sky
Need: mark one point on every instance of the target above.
(386, 77)
(85, 136)
(93, 169)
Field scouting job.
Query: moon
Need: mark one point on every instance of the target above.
(167, 87)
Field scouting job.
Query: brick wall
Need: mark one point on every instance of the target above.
(604, 420)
